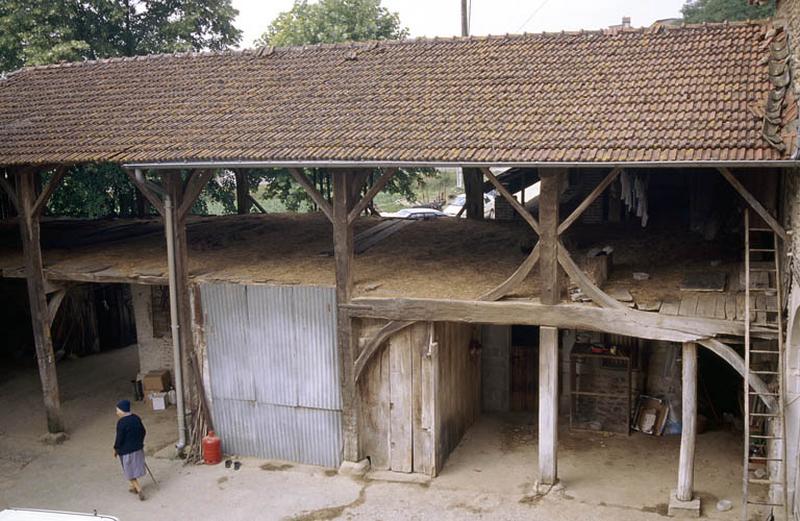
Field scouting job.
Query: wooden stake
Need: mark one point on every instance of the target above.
(37, 298)
(685, 490)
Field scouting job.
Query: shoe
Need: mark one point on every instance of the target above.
(141, 495)
(132, 490)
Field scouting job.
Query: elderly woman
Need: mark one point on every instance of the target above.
(129, 446)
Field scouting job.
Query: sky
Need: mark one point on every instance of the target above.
(442, 17)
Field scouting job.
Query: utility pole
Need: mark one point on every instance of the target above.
(464, 19)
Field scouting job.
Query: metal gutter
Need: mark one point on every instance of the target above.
(173, 165)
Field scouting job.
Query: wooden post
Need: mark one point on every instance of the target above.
(37, 297)
(550, 272)
(343, 254)
(548, 406)
(473, 187)
(685, 490)
(243, 201)
(550, 290)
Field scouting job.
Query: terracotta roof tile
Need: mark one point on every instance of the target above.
(688, 93)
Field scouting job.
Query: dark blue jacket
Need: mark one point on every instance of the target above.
(130, 435)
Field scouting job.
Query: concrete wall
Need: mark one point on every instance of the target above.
(154, 340)
(495, 368)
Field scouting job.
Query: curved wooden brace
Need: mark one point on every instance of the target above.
(374, 343)
(517, 277)
(728, 354)
(724, 351)
(580, 278)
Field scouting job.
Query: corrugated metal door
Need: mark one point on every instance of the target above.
(274, 371)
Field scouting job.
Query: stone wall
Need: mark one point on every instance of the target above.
(153, 334)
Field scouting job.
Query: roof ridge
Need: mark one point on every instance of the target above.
(371, 44)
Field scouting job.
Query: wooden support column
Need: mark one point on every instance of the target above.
(343, 254)
(548, 407)
(29, 212)
(685, 490)
(551, 279)
(473, 186)
(243, 200)
(550, 284)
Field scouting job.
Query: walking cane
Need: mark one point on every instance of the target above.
(151, 474)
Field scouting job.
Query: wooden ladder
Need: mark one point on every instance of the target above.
(764, 428)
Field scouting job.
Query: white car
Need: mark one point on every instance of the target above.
(459, 201)
(415, 213)
(29, 514)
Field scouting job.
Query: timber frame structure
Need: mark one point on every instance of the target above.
(184, 167)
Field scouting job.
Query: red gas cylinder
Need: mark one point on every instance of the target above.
(212, 449)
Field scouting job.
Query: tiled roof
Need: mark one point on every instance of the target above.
(689, 93)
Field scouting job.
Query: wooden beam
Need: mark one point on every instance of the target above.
(243, 199)
(146, 192)
(370, 195)
(54, 303)
(312, 192)
(550, 274)
(343, 250)
(473, 187)
(730, 355)
(589, 200)
(256, 204)
(37, 300)
(753, 202)
(548, 406)
(10, 192)
(515, 279)
(375, 342)
(685, 489)
(628, 322)
(194, 186)
(503, 191)
(44, 197)
(579, 277)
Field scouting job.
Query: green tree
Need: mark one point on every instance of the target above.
(697, 11)
(332, 21)
(35, 32)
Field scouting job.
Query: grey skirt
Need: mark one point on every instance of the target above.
(133, 465)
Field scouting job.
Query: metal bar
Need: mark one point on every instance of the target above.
(240, 163)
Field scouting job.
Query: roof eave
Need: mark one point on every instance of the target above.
(173, 165)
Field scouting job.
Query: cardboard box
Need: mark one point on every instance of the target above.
(158, 401)
(156, 382)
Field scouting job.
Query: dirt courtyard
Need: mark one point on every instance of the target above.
(489, 476)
